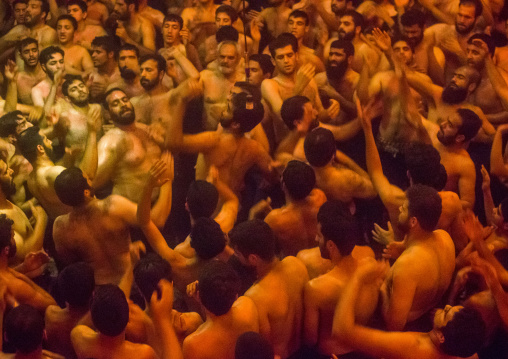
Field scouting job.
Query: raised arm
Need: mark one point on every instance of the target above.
(226, 218)
(35, 240)
(89, 162)
(424, 86)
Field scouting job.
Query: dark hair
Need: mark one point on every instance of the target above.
(425, 205)
(299, 179)
(226, 33)
(173, 18)
(108, 43)
(207, 238)
(27, 41)
(48, 53)
(339, 226)
(202, 199)
(219, 286)
(319, 147)
(283, 40)
(250, 88)
(251, 345)
(69, 79)
(471, 123)
(16, 2)
(478, 6)
(76, 284)
(161, 61)
(108, 92)
(345, 45)
(464, 334)
(5, 231)
(109, 310)
(24, 328)
(413, 17)
(247, 118)
(423, 163)
(486, 39)
(300, 14)
(292, 110)
(264, 61)
(44, 7)
(9, 123)
(128, 47)
(397, 38)
(135, 2)
(149, 271)
(228, 10)
(254, 237)
(28, 140)
(82, 4)
(69, 18)
(356, 16)
(70, 185)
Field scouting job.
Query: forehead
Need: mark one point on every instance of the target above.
(228, 49)
(467, 9)
(3, 166)
(129, 53)
(171, 23)
(254, 64)
(74, 7)
(64, 22)
(149, 63)
(115, 95)
(346, 18)
(337, 51)
(97, 48)
(284, 50)
(30, 46)
(462, 71)
(296, 18)
(19, 4)
(400, 44)
(75, 83)
(414, 27)
(120, 2)
(35, 3)
(222, 15)
(56, 57)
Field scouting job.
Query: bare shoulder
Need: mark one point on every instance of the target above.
(321, 79)
(317, 197)
(294, 266)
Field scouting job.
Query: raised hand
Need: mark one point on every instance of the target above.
(11, 71)
(382, 39)
(384, 237)
(161, 171)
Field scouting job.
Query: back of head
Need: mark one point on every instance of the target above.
(464, 334)
(149, 271)
(229, 10)
(108, 43)
(9, 123)
(70, 186)
(161, 61)
(48, 53)
(345, 45)
(28, 140)
(299, 179)
(251, 345)
(264, 61)
(423, 163)
(219, 286)
(471, 123)
(226, 33)
(24, 328)
(254, 237)
(250, 88)
(202, 199)
(413, 17)
(339, 226)
(109, 310)
(76, 284)
(283, 40)
(424, 204)
(247, 112)
(292, 110)
(207, 238)
(319, 147)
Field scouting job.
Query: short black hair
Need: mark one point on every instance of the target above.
(128, 47)
(246, 116)
(299, 179)
(226, 33)
(82, 4)
(109, 310)
(161, 61)
(319, 147)
(252, 345)
(69, 79)
(70, 185)
(109, 92)
(207, 238)
(477, 5)
(250, 88)
(283, 40)
(264, 61)
(300, 14)
(292, 110)
(423, 162)
(471, 123)
(413, 17)
(339, 226)
(149, 271)
(424, 203)
(108, 43)
(69, 18)
(464, 334)
(5, 231)
(48, 53)
(356, 16)
(202, 199)
(16, 2)
(219, 286)
(24, 328)
(27, 141)
(76, 284)
(486, 39)
(228, 10)
(44, 8)
(9, 123)
(254, 237)
(345, 45)
(27, 41)
(173, 18)
(135, 2)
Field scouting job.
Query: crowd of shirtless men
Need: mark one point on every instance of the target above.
(190, 179)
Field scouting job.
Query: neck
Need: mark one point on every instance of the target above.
(157, 90)
(290, 76)
(4, 262)
(175, 43)
(417, 234)
(32, 69)
(300, 43)
(82, 109)
(42, 161)
(434, 338)
(38, 25)
(347, 263)
(263, 268)
(66, 45)
(81, 25)
(108, 68)
(36, 354)
(110, 342)
(127, 128)
(4, 203)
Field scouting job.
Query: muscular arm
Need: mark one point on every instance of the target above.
(226, 218)
(270, 92)
(187, 67)
(27, 292)
(422, 85)
(466, 186)
(89, 161)
(110, 152)
(396, 310)
(311, 316)
(497, 81)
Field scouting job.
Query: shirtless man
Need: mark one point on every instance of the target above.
(412, 26)
(19, 7)
(45, 92)
(76, 58)
(338, 237)
(105, 66)
(133, 28)
(35, 20)
(227, 315)
(295, 224)
(33, 72)
(198, 18)
(275, 17)
(422, 273)
(217, 84)
(128, 63)
(279, 289)
(455, 331)
(85, 33)
(153, 15)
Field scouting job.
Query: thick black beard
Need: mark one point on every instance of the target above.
(124, 121)
(336, 72)
(127, 74)
(466, 31)
(348, 36)
(8, 188)
(454, 95)
(83, 103)
(150, 85)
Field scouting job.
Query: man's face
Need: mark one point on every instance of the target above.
(337, 64)
(19, 12)
(448, 129)
(465, 19)
(121, 10)
(99, 56)
(403, 220)
(128, 64)
(475, 57)
(296, 26)
(285, 60)
(457, 90)
(55, 63)
(443, 316)
(222, 19)
(347, 28)
(22, 124)
(256, 75)
(338, 5)
(171, 32)
(120, 108)
(78, 93)
(6, 179)
(65, 31)
(76, 12)
(325, 253)
(228, 59)
(149, 74)
(30, 55)
(33, 12)
(413, 34)
(403, 52)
